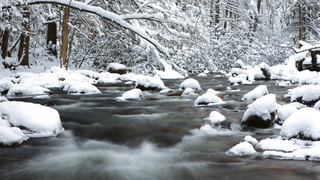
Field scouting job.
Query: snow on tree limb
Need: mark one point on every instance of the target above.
(104, 14)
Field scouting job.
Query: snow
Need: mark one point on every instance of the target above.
(83, 88)
(215, 117)
(38, 120)
(134, 94)
(284, 112)
(241, 149)
(277, 145)
(251, 140)
(256, 93)
(149, 82)
(169, 74)
(209, 98)
(5, 85)
(189, 92)
(10, 135)
(316, 106)
(262, 107)
(304, 122)
(307, 92)
(116, 66)
(190, 83)
(3, 99)
(27, 90)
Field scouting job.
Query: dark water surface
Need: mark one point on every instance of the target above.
(155, 138)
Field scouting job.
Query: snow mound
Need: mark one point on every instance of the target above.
(36, 120)
(277, 145)
(209, 98)
(149, 83)
(190, 83)
(10, 135)
(256, 93)
(169, 74)
(305, 93)
(241, 149)
(83, 88)
(316, 106)
(189, 92)
(215, 117)
(302, 124)
(251, 140)
(132, 94)
(3, 99)
(5, 85)
(116, 66)
(27, 90)
(284, 112)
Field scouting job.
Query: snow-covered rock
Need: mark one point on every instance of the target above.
(117, 68)
(302, 124)
(189, 92)
(277, 145)
(5, 85)
(215, 118)
(306, 94)
(209, 98)
(149, 83)
(284, 112)
(261, 112)
(83, 88)
(241, 149)
(316, 106)
(36, 120)
(190, 83)
(134, 94)
(3, 99)
(27, 90)
(10, 135)
(256, 93)
(251, 140)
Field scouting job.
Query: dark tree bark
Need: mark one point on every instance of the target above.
(64, 39)
(52, 37)
(23, 53)
(256, 19)
(4, 44)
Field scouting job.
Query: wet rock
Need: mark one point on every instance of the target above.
(117, 68)
(175, 93)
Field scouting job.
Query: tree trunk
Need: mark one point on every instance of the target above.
(52, 38)
(217, 20)
(64, 39)
(23, 53)
(300, 19)
(4, 44)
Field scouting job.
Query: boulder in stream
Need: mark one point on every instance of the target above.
(261, 112)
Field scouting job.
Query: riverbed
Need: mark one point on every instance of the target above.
(158, 137)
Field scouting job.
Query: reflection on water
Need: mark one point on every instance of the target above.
(156, 138)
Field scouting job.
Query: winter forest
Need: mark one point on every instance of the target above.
(153, 35)
(159, 89)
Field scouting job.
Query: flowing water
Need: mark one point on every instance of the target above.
(154, 138)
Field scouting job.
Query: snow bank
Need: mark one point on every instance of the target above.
(168, 74)
(37, 120)
(302, 124)
(256, 93)
(190, 83)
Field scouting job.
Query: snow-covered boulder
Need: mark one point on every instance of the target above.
(284, 112)
(5, 85)
(149, 83)
(35, 119)
(10, 135)
(189, 92)
(266, 70)
(261, 112)
(215, 119)
(133, 94)
(256, 93)
(83, 88)
(27, 90)
(306, 94)
(190, 83)
(302, 124)
(209, 98)
(117, 68)
(241, 149)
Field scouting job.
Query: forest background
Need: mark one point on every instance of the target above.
(147, 35)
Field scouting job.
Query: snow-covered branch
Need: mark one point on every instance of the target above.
(120, 20)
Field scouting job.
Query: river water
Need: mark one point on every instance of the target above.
(154, 138)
